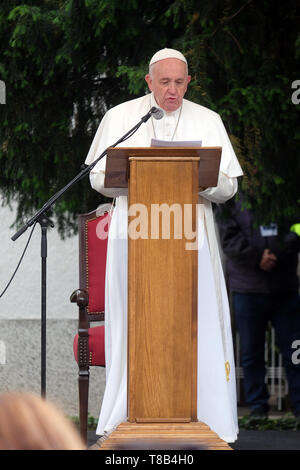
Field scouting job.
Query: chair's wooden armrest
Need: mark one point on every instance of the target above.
(81, 297)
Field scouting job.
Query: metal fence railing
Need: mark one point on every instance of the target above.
(275, 373)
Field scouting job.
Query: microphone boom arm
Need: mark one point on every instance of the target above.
(81, 175)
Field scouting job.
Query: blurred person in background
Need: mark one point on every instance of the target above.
(261, 267)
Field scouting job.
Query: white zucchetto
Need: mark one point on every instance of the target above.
(167, 54)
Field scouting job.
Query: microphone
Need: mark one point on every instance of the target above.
(157, 113)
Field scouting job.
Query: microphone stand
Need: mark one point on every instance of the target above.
(44, 221)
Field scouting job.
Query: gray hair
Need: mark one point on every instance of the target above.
(152, 65)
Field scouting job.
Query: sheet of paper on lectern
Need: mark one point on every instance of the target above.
(175, 143)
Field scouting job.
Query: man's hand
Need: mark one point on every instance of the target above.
(268, 260)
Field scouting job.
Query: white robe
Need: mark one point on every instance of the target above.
(216, 396)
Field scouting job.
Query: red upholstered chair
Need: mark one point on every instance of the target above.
(88, 344)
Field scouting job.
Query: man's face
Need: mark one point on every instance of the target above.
(168, 81)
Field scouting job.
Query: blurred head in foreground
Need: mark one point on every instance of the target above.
(28, 422)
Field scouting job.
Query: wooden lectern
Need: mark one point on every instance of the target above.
(163, 185)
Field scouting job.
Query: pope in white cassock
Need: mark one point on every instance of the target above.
(183, 121)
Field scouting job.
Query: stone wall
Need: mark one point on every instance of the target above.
(20, 318)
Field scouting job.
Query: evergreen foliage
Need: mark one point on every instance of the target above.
(65, 62)
(245, 56)
(60, 62)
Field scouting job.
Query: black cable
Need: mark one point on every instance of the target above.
(24, 251)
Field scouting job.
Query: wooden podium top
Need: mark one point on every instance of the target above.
(117, 164)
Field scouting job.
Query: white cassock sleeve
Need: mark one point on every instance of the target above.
(105, 136)
(226, 189)
(97, 182)
(229, 166)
